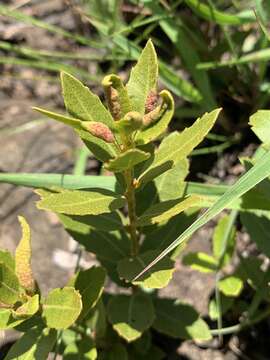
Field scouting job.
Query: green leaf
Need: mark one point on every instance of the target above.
(7, 259)
(82, 350)
(157, 278)
(251, 178)
(127, 160)
(224, 240)
(178, 146)
(211, 14)
(152, 132)
(226, 304)
(231, 285)
(167, 209)
(164, 234)
(23, 258)
(201, 261)
(179, 320)
(82, 103)
(74, 123)
(143, 78)
(131, 315)
(108, 247)
(154, 353)
(259, 123)
(75, 202)
(258, 226)
(36, 344)
(9, 285)
(170, 185)
(90, 284)
(116, 352)
(62, 307)
(250, 270)
(27, 309)
(7, 320)
(97, 320)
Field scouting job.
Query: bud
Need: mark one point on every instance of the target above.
(99, 130)
(152, 116)
(151, 101)
(112, 97)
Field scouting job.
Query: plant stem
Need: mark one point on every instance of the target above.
(219, 308)
(243, 325)
(131, 202)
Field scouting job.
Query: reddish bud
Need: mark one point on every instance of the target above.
(99, 130)
(151, 101)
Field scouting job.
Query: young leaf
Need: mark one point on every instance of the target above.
(127, 160)
(82, 103)
(201, 261)
(152, 132)
(231, 285)
(167, 209)
(23, 258)
(157, 278)
(224, 239)
(9, 285)
(258, 226)
(259, 123)
(179, 320)
(178, 146)
(27, 309)
(74, 123)
(75, 202)
(36, 344)
(131, 315)
(143, 78)
(62, 307)
(256, 174)
(7, 259)
(90, 284)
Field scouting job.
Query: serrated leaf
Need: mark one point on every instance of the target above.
(178, 146)
(9, 285)
(226, 304)
(231, 285)
(224, 240)
(81, 350)
(200, 261)
(259, 123)
(152, 132)
(127, 160)
(7, 259)
(258, 227)
(90, 284)
(179, 320)
(143, 78)
(157, 278)
(167, 209)
(27, 309)
(75, 202)
(23, 258)
(170, 185)
(74, 123)
(62, 307)
(82, 103)
(108, 247)
(131, 315)
(36, 344)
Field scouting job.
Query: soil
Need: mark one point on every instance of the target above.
(50, 147)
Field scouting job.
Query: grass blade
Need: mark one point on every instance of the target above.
(256, 174)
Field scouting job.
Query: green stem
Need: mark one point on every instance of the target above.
(219, 308)
(241, 326)
(131, 202)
